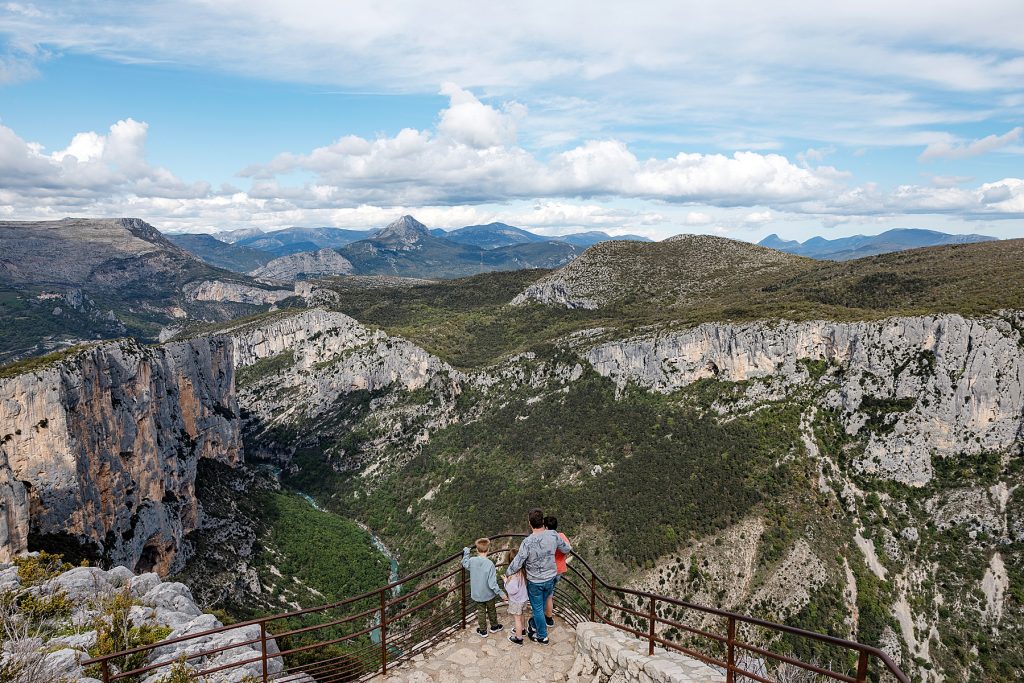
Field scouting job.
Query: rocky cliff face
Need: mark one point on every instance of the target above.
(101, 447)
(220, 291)
(295, 368)
(305, 265)
(949, 386)
(914, 427)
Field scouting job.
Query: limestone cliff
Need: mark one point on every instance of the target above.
(305, 265)
(949, 385)
(294, 368)
(220, 291)
(101, 447)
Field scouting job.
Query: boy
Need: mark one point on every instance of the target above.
(483, 581)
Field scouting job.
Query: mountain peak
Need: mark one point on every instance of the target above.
(405, 227)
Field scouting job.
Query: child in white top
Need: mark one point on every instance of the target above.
(515, 586)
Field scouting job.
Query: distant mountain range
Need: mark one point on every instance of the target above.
(408, 248)
(858, 246)
(296, 240)
(497, 235)
(234, 257)
(62, 282)
(405, 248)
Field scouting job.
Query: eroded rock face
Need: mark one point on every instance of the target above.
(950, 385)
(333, 354)
(305, 265)
(297, 366)
(233, 292)
(102, 447)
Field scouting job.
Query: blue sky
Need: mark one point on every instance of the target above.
(652, 118)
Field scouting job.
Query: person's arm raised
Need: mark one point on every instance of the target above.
(563, 544)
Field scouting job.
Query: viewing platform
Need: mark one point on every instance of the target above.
(468, 657)
(584, 654)
(420, 629)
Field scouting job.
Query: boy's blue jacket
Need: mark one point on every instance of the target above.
(483, 578)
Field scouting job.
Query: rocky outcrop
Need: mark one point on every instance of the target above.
(92, 592)
(295, 367)
(678, 270)
(102, 447)
(305, 265)
(297, 371)
(234, 292)
(940, 385)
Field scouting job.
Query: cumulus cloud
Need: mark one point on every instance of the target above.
(93, 166)
(472, 157)
(462, 172)
(468, 121)
(946, 149)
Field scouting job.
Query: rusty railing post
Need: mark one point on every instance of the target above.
(862, 667)
(730, 656)
(263, 649)
(650, 629)
(106, 670)
(593, 596)
(383, 633)
(462, 578)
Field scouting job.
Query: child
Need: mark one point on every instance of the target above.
(483, 581)
(515, 584)
(551, 522)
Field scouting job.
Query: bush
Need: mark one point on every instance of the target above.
(33, 570)
(115, 632)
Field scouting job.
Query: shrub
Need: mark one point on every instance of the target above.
(33, 570)
(115, 632)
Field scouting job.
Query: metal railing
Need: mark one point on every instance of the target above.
(366, 635)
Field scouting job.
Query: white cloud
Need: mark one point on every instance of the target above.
(470, 122)
(472, 158)
(849, 72)
(950, 180)
(815, 155)
(17, 8)
(93, 167)
(557, 218)
(473, 171)
(946, 149)
(15, 68)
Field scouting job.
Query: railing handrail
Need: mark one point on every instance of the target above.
(382, 594)
(821, 637)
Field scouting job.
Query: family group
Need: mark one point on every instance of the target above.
(531, 577)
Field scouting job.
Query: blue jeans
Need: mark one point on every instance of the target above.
(539, 593)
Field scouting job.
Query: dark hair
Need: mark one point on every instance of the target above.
(551, 522)
(536, 518)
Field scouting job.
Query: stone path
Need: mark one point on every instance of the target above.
(468, 657)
